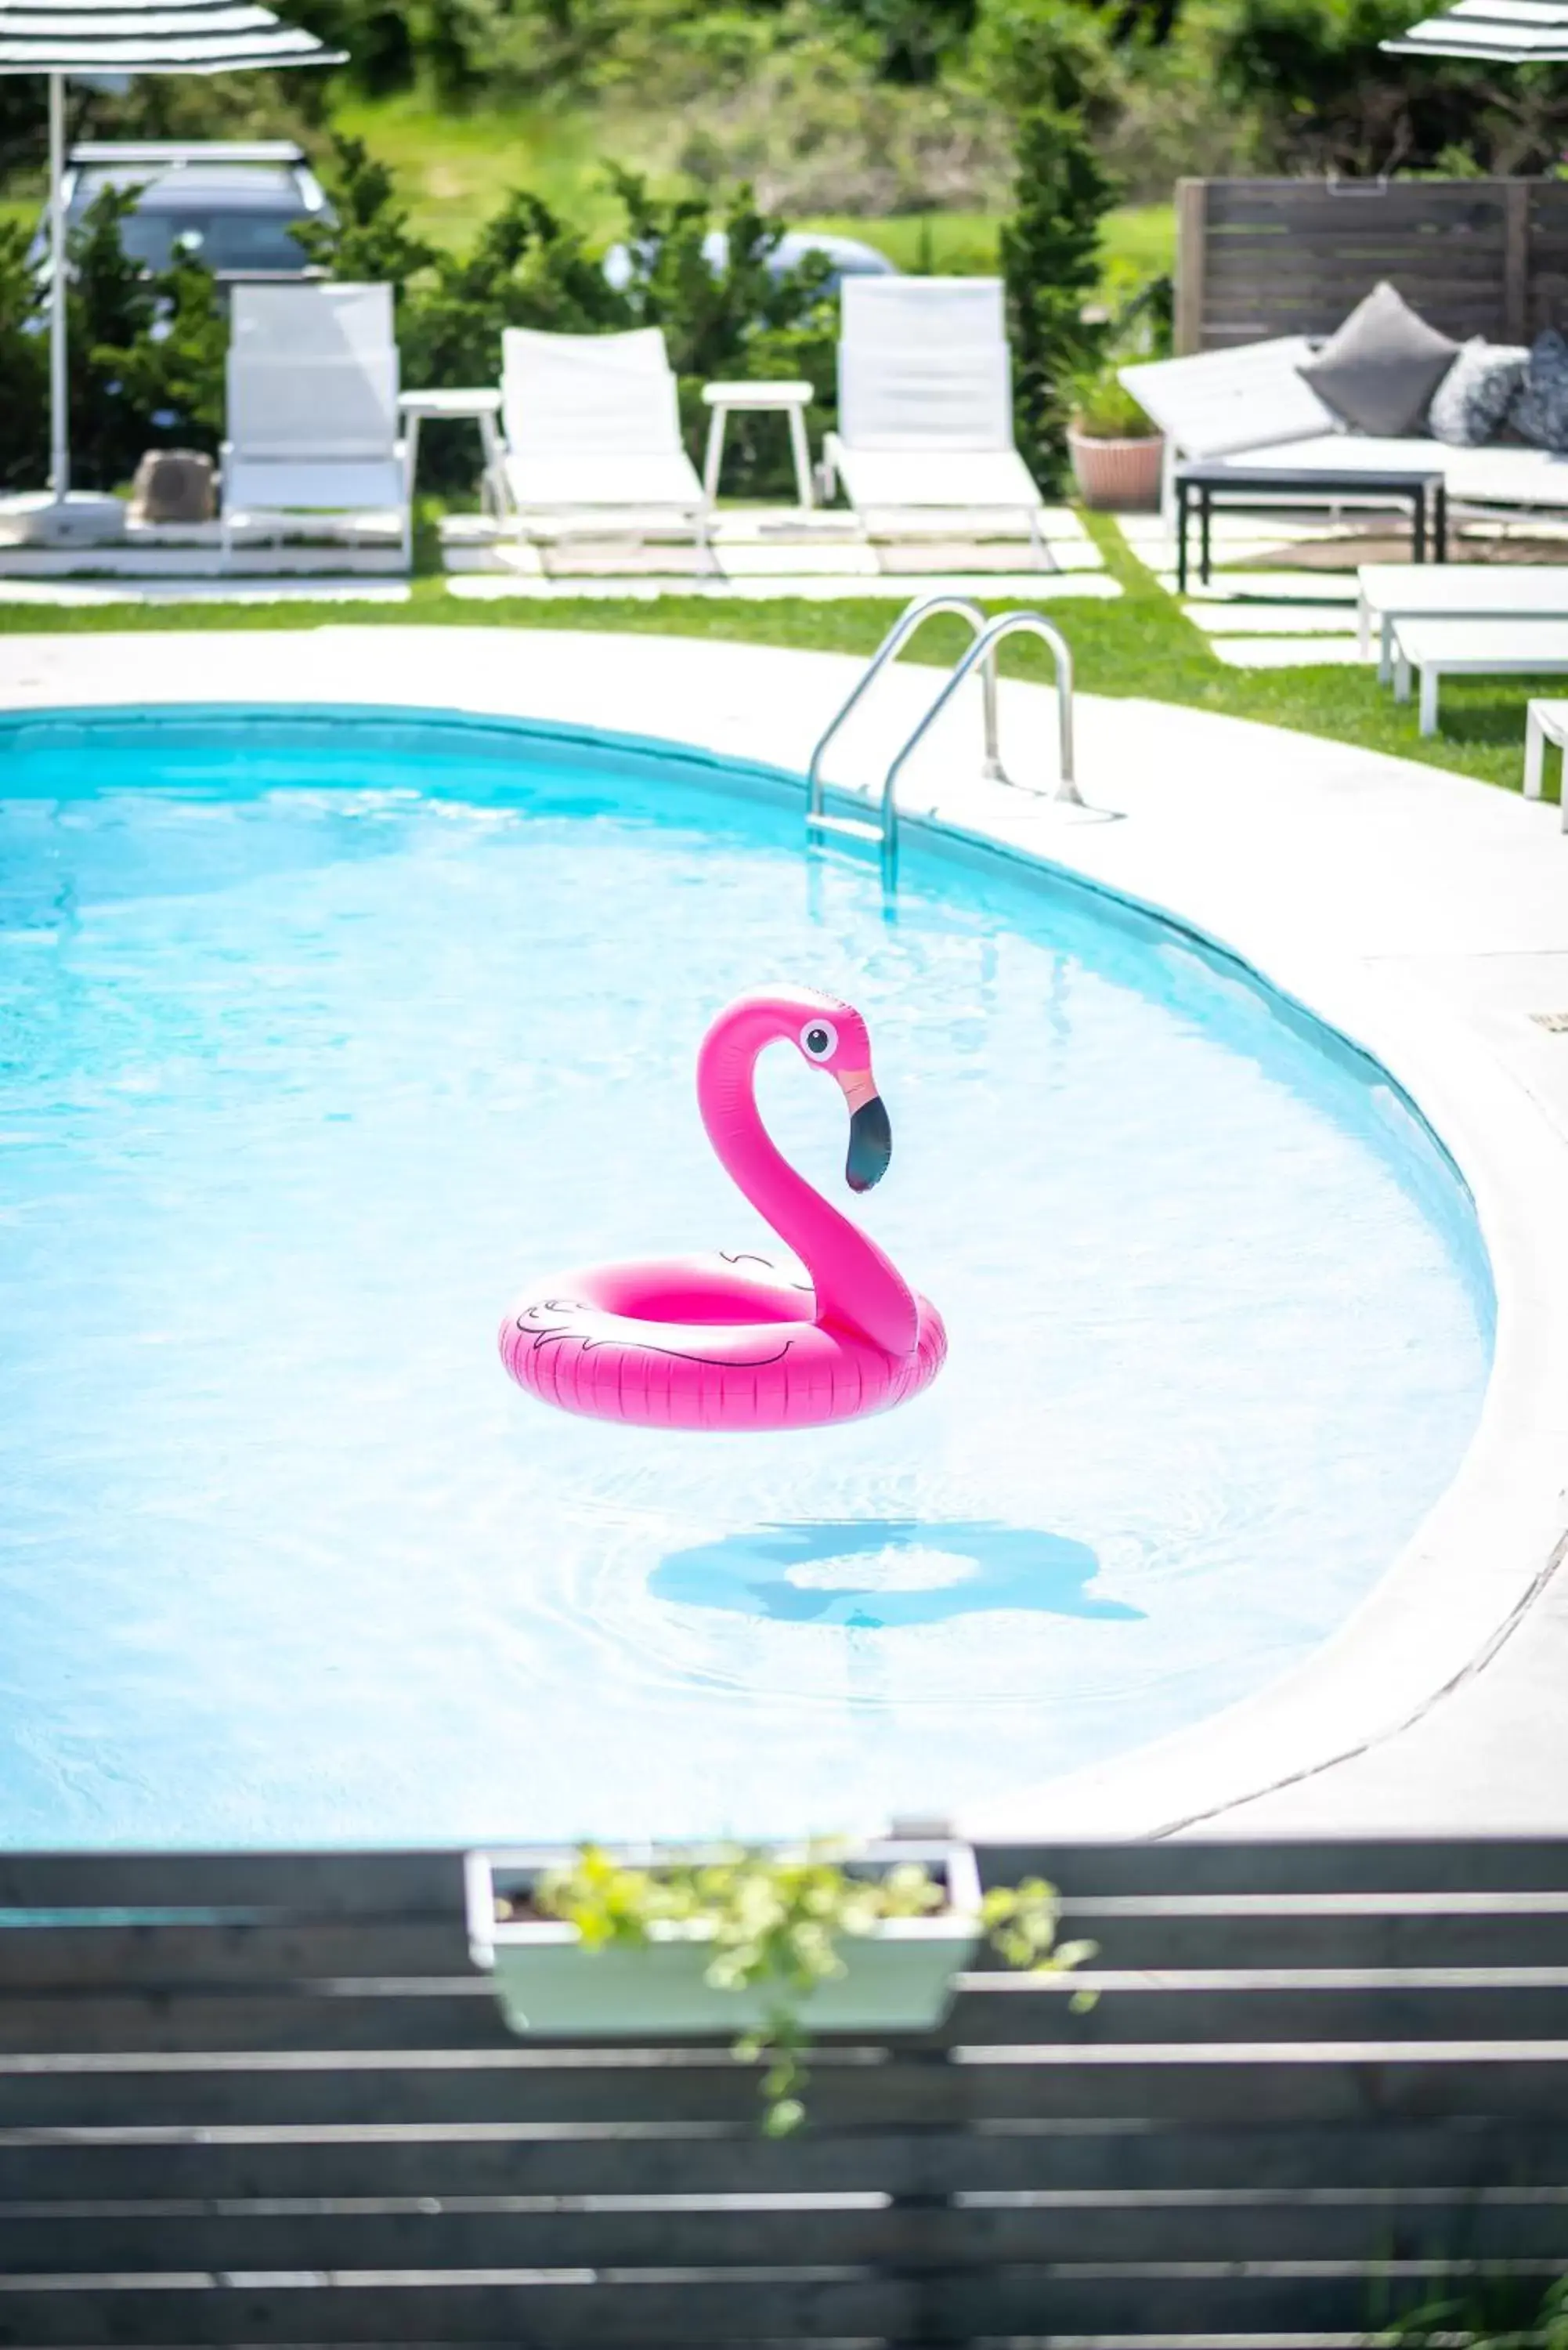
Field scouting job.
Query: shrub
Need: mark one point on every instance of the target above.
(169, 378)
(1102, 410)
(145, 356)
(1050, 264)
(24, 368)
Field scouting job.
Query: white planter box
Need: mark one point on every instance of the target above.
(899, 1978)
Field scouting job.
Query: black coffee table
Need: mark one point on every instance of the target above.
(1215, 482)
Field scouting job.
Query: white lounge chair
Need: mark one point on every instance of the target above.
(1390, 592)
(1438, 649)
(1251, 404)
(591, 438)
(925, 410)
(1544, 722)
(313, 442)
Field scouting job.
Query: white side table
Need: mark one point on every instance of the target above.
(791, 399)
(1544, 722)
(481, 406)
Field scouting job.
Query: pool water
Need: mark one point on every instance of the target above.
(324, 1035)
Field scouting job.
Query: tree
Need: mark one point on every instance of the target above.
(172, 377)
(1049, 261)
(24, 366)
(111, 304)
(368, 241)
(1050, 56)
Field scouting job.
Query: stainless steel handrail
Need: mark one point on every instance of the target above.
(984, 650)
(913, 617)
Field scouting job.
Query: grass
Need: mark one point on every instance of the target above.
(948, 244)
(455, 167)
(1141, 644)
(1138, 243)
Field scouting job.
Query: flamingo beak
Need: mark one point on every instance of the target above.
(870, 1135)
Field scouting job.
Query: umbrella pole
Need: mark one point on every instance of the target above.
(60, 456)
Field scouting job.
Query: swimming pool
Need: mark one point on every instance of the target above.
(324, 1034)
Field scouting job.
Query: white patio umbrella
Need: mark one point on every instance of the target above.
(62, 37)
(1498, 32)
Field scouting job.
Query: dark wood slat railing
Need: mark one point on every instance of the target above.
(267, 2100)
(1257, 258)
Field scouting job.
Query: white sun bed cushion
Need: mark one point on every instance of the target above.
(606, 478)
(1221, 403)
(594, 420)
(352, 488)
(1499, 476)
(977, 480)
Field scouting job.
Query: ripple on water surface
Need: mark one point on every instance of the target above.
(320, 1040)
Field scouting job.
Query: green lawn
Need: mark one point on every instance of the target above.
(456, 167)
(1141, 644)
(949, 244)
(1138, 243)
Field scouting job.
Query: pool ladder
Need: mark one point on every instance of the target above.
(985, 637)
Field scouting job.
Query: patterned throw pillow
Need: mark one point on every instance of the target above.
(1473, 401)
(1540, 412)
(1379, 369)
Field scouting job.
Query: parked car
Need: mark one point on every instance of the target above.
(232, 203)
(845, 255)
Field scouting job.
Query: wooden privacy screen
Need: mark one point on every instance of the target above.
(1261, 257)
(249, 2100)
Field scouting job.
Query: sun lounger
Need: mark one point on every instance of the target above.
(1544, 722)
(1454, 591)
(925, 411)
(591, 437)
(1251, 404)
(1434, 650)
(313, 442)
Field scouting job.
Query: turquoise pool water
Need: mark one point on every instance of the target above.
(321, 1036)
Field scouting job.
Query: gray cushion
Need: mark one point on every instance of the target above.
(1382, 367)
(1540, 412)
(1471, 403)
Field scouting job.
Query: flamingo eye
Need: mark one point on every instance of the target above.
(820, 1040)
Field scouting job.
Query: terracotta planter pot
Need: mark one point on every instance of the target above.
(897, 1979)
(1121, 474)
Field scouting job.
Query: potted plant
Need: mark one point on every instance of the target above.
(763, 1946)
(1116, 454)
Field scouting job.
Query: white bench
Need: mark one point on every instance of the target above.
(1389, 592)
(1544, 722)
(1487, 648)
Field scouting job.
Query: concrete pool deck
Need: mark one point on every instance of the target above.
(1423, 914)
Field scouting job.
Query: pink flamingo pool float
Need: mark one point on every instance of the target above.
(732, 1341)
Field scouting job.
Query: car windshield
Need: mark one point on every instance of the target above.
(224, 240)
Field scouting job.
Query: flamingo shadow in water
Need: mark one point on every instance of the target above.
(1014, 1567)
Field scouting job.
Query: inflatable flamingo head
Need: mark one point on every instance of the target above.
(832, 1036)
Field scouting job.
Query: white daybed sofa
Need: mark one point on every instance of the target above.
(1251, 404)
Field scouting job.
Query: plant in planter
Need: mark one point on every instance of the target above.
(766, 1946)
(1117, 453)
